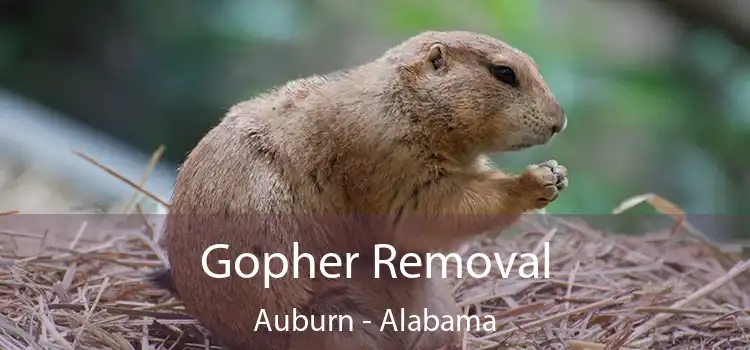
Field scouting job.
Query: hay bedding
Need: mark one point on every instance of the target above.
(664, 290)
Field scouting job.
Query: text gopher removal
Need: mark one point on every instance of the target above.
(477, 265)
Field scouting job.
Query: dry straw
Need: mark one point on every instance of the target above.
(660, 290)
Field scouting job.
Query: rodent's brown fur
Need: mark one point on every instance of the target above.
(393, 151)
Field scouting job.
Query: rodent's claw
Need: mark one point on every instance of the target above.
(543, 182)
(560, 171)
(550, 163)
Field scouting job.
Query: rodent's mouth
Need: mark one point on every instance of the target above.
(520, 146)
(522, 142)
(529, 142)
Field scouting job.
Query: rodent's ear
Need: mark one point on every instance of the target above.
(436, 56)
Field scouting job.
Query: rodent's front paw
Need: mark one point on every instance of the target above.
(542, 183)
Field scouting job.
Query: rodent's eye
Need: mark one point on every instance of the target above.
(504, 74)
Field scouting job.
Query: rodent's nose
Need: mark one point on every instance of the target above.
(560, 127)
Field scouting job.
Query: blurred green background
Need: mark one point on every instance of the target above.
(657, 92)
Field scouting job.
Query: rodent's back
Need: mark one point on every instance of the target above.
(228, 191)
(264, 177)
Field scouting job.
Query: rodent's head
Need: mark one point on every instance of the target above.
(478, 89)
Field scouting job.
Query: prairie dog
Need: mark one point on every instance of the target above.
(390, 152)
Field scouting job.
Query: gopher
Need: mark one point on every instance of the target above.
(394, 151)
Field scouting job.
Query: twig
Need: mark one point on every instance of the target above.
(584, 345)
(144, 178)
(122, 178)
